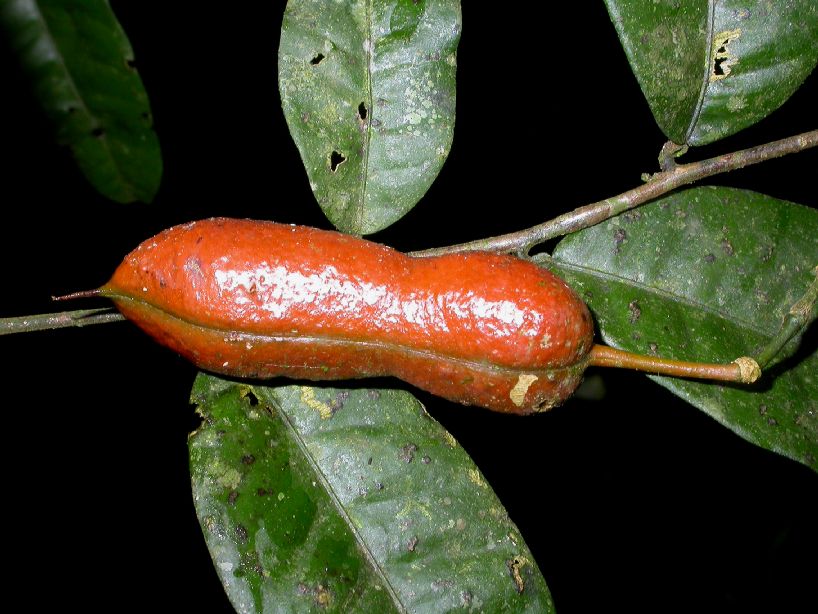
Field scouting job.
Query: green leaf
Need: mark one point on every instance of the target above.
(351, 500)
(81, 67)
(710, 69)
(368, 90)
(708, 274)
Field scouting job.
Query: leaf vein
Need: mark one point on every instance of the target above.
(665, 294)
(325, 483)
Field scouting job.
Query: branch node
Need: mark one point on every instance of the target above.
(668, 154)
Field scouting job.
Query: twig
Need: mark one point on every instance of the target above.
(65, 319)
(522, 241)
(661, 183)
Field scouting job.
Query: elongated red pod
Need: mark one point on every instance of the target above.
(262, 300)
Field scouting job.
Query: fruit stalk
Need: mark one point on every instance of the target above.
(744, 370)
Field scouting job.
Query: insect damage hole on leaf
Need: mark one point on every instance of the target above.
(250, 397)
(335, 160)
(317, 59)
(362, 111)
(722, 60)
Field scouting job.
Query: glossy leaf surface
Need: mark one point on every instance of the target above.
(82, 71)
(710, 69)
(344, 500)
(368, 90)
(708, 274)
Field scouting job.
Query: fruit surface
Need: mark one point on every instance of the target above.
(262, 300)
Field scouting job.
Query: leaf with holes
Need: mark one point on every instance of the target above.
(708, 274)
(368, 90)
(81, 67)
(710, 69)
(349, 501)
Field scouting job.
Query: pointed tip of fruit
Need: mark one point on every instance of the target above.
(76, 295)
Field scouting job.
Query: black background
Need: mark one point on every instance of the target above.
(637, 502)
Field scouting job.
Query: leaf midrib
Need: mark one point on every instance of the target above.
(341, 510)
(711, 21)
(93, 116)
(664, 294)
(370, 51)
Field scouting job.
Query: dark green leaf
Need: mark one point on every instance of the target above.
(81, 66)
(710, 69)
(708, 274)
(351, 500)
(368, 90)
